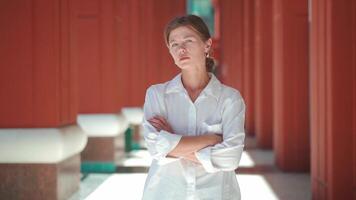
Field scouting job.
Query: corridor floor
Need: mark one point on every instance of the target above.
(257, 176)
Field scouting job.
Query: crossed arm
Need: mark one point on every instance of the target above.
(188, 145)
(214, 153)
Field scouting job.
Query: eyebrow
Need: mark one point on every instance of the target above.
(185, 37)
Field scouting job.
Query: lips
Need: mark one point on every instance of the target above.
(184, 58)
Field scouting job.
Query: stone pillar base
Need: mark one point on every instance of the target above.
(40, 181)
(101, 154)
(105, 141)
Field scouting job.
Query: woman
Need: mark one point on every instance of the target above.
(193, 124)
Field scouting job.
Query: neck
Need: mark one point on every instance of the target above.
(195, 80)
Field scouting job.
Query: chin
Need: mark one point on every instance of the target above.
(183, 66)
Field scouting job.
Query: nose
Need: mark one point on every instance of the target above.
(182, 49)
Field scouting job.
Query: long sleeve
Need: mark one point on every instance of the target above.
(159, 144)
(226, 156)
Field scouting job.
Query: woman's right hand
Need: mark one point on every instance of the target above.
(214, 139)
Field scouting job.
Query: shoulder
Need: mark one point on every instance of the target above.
(230, 94)
(232, 100)
(157, 90)
(161, 88)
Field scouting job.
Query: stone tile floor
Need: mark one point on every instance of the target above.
(257, 176)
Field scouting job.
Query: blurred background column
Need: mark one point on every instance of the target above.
(249, 63)
(231, 43)
(263, 74)
(95, 53)
(291, 85)
(40, 143)
(143, 57)
(333, 99)
(120, 51)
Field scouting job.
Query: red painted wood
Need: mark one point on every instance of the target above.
(144, 57)
(249, 64)
(231, 43)
(263, 73)
(333, 92)
(123, 49)
(226, 37)
(37, 81)
(353, 41)
(134, 56)
(110, 70)
(317, 100)
(94, 41)
(291, 85)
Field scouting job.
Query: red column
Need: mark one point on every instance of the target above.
(231, 43)
(249, 63)
(40, 142)
(290, 85)
(333, 99)
(163, 12)
(143, 56)
(123, 46)
(94, 52)
(225, 38)
(37, 82)
(263, 73)
(120, 50)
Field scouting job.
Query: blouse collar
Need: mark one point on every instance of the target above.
(212, 89)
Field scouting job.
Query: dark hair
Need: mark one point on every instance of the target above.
(197, 25)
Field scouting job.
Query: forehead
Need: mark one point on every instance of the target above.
(182, 32)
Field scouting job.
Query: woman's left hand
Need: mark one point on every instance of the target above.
(160, 123)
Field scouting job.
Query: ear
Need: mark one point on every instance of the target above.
(208, 44)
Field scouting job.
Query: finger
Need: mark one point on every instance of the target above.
(156, 121)
(162, 119)
(161, 126)
(166, 124)
(157, 125)
(162, 122)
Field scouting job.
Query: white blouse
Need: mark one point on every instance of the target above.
(218, 109)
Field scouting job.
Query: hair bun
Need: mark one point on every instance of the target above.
(210, 64)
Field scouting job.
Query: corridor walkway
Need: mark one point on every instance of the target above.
(257, 176)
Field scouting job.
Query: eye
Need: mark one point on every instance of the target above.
(173, 45)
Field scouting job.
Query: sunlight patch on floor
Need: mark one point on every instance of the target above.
(120, 186)
(254, 187)
(246, 160)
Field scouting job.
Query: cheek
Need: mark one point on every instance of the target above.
(197, 50)
(173, 55)
(199, 54)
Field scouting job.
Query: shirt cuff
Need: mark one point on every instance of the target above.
(204, 157)
(166, 142)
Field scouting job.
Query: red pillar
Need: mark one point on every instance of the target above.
(37, 83)
(144, 58)
(237, 51)
(123, 45)
(119, 47)
(249, 63)
(333, 99)
(94, 52)
(291, 85)
(231, 43)
(263, 73)
(39, 140)
(225, 38)
(162, 62)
